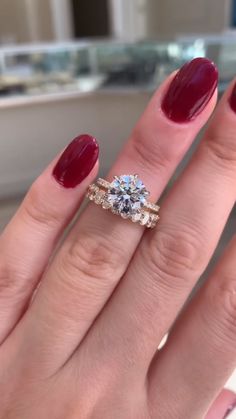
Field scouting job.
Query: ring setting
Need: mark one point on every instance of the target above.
(127, 197)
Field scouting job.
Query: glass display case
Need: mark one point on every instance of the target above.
(86, 67)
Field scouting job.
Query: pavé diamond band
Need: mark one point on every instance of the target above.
(126, 196)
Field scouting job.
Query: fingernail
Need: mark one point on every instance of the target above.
(232, 99)
(77, 161)
(230, 410)
(190, 90)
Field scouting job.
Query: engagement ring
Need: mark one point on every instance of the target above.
(126, 196)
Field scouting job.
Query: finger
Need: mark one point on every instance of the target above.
(94, 258)
(171, 258)
(200, 354)
(223, 407)
(29, 239)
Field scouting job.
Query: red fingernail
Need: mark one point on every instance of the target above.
(232, 99)
(77, 161)
(230, 410)
(190, 90)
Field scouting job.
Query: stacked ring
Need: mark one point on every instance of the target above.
(125, 196)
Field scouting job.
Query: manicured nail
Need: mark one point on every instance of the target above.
(77, 161)
(232, 99)
(190, 90)
(230, 410)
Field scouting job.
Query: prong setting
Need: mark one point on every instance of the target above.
(125, 196)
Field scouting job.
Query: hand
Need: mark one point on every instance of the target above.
(82, 319)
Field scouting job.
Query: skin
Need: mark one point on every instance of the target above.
(85, 346)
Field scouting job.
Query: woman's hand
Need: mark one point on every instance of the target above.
(80, 327)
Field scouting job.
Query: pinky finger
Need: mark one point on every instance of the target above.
(200, 354)
(29, 239)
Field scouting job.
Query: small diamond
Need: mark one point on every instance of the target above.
(98, 198)
(106, 205)
(92, 191)
(127, 195)
(114, 210)
(136, 217)
(149, 223)
(153, 218)
(124, 215)
(144, 218)
(153, 207)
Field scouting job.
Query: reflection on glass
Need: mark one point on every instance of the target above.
(83, 67)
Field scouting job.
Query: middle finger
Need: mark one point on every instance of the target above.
(170, 259)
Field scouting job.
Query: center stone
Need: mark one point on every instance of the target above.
(127, 195)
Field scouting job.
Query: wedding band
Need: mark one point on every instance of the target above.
(125, 196)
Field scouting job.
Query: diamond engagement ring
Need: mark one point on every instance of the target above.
(126, 196)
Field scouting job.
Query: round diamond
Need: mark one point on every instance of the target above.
(127, 195)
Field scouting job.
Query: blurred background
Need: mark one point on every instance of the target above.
(76, 66)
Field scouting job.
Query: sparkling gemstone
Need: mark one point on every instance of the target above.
(136, 217)
(144, 218)
(98, 198)
(127, 195)
(105, 204)
(151, 221)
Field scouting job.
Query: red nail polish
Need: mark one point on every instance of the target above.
(77, 161)
(230, 410)
(190, 90)
(232, 99)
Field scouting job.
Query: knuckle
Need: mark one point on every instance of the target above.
(10, 283)
(223, 296)
(174, 254)
(222, 149)
(39, 209)
(6, 282)
(148, 156)
(93, 257)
